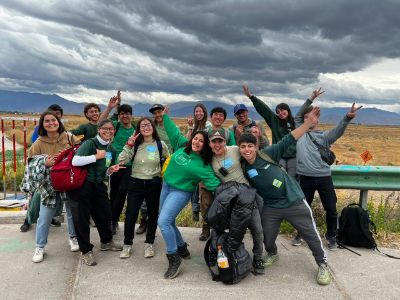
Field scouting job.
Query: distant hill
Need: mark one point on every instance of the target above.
(36, 103)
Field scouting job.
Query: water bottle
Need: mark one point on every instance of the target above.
(222, 260)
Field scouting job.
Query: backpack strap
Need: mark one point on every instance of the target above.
(160, 152)
(117, 128)
(215, 277)
(319, 146)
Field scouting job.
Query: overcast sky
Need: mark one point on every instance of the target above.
(168, 51)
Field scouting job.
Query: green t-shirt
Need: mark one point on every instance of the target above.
(121, 137)
(89, 131)
(97, 170)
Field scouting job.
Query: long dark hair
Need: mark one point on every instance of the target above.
(289, 121)
(140, 138)
(200, 125)
(205, 153)
(42, 131)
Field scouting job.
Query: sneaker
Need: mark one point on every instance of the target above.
(332, 244)
(88, 259)
(38, 255)
(126, 251)
(270, 259)
(296, 241)
(55, 222)
(25, 227)
(323, 275)
(196, 216)
(258, 267)
(175, 266)
(73, 243)
(110, 246)
(148, 250)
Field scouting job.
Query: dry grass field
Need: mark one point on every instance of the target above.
(382, 142)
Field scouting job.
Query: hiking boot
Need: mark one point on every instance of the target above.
(323, 275)
(205, 233)
(73, 243)
(88, 259)
(126, 251)
(148, 250)
(38, 255)
(270, 259)
(142, 226)
(175, 266)
(196, 216)
(332, 244)
(183, 251)
(296, 241)
(55, 222)
(110, 246)
(258, 266)
(26, 226)
(114, 227)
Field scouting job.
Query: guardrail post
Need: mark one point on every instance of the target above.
(363, 198)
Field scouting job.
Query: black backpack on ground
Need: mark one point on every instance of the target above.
(356, 229)
(239, 260)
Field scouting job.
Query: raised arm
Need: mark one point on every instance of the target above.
(113, 103)
(263, 109)
(176, 138)
(299, 118)
(336, 132)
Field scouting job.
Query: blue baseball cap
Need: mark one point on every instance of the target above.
(239, 107)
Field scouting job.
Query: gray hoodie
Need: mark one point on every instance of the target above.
(309, 161)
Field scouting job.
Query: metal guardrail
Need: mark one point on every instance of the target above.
(364, 178)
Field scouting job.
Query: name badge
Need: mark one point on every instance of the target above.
(252, 173)
(277, 183)
(108, 159)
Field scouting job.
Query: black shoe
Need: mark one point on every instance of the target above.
(205, 233)
(175, 266)
(114, 227)
(142, 226)
(25, 227)
(55, 222)
(258, 266)
(183, 251)
(196, 216)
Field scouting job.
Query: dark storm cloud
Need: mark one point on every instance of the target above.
(198, 47)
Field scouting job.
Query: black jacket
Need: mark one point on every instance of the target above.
(232, 208)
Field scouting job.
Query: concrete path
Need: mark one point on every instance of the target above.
(62, 276)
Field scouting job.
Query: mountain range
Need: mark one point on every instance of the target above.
(24, 102)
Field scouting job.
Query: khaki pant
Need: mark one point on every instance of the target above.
(206, 199)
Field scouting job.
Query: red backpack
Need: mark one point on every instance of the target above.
(63, 175)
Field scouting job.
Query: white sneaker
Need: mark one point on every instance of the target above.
(148, 250)
(126, 251)
(73, 243)
(38, 255)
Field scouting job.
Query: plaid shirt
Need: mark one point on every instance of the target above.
(37, 179)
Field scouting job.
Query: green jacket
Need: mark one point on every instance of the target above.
(273, 184)
(185, 171)
(273, 121)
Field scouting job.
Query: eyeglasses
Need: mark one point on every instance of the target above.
(107, 129)
(145, 126)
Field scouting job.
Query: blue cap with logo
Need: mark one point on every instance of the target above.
(239, 107)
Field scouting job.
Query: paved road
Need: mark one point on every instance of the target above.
(62, 276)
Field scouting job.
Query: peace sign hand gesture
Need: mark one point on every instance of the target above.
(246, 91)
(315, 94)
(353, 111)
(132, 139)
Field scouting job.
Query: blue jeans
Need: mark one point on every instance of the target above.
(172, 201)
(44, 221)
